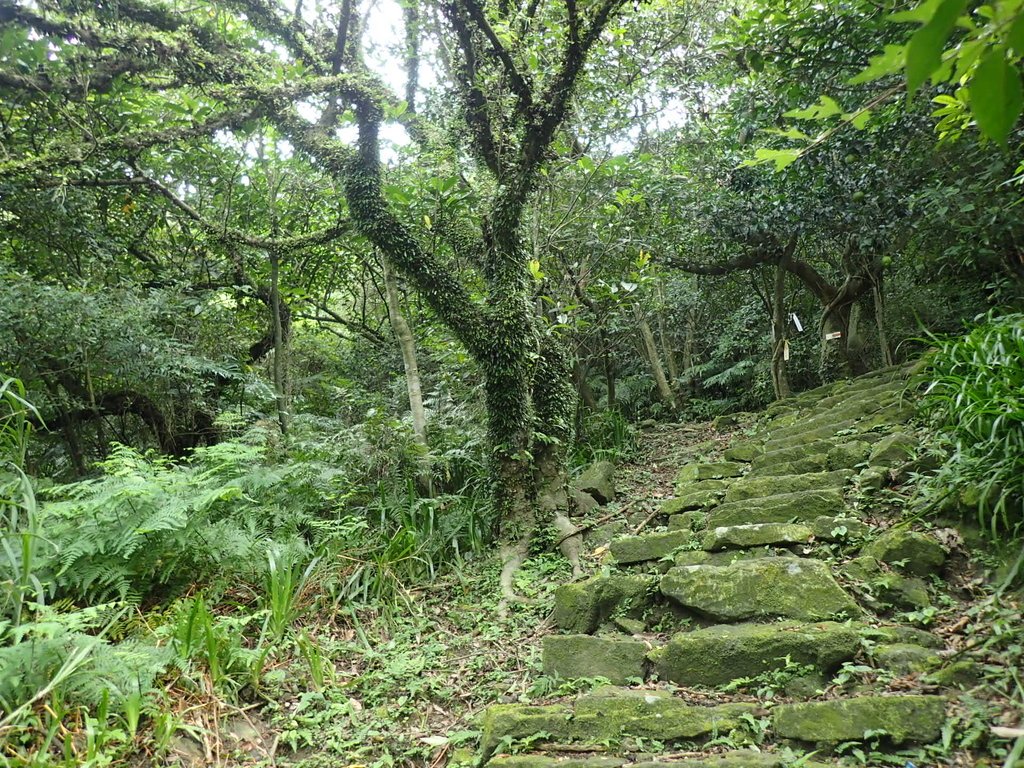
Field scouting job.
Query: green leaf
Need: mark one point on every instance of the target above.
(826, 107)
(781, 157)
(920, 14)
(1015, 37)
(996, 97)
(858, 119)
(924, 51)
(892, 59)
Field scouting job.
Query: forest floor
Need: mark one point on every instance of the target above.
(404, 682)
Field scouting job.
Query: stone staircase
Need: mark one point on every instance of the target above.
(720, 635)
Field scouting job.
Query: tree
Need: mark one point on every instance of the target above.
(204, 73)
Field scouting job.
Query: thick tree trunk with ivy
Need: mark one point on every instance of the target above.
(780, 382)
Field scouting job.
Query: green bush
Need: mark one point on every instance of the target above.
(975, 399)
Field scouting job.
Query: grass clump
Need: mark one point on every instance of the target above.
(975, 400)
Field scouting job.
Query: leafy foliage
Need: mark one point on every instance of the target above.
(975, 398)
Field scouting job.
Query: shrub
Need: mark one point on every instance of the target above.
(975, 399)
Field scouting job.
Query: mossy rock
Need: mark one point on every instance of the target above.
(887, 586)
(695, 473)
(738, 759)
(892, 450)
(654, 546)
(873, 478)
(904, 658)
(787, 587)
(754, 487)
(903, 719)
(806, 465)
(585, 656)
(902, 634)
(599, 481)
(697, 496)
(743, 452)
(848, 454)
(726, 557)
(921, 554)
(550, 761)
(687, 521)
(839, 528)
(795, 453)
(718, 655)
(801, 506)
(959, 674)
(609, 714)
(582, 607)
(756, 535)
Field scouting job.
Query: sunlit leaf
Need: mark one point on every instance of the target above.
(996, 97)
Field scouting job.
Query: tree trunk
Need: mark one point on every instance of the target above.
(279, 366)
(780, 382)
(666, 348)
(653, 358)
(883, 338)
(407, 345)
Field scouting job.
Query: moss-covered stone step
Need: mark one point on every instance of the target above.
(628, 550)
(617, 659)
(753, 486)
(786, 587)
(755, 535)
(792, 454)
(900, 719)
(582, 607)
(918, 553)
(696, 473)
(697, 496)
(738, 759)
(799, 506)
(812, 463)
(610, 714)
(718, 655)
(554, 761)
(727, 556)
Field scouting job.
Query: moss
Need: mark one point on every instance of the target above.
(654, 546)
(921, 553)
(839, 528)
(812, 463)
(582, 607)
(693, 474)
(959, 674)
(686, 521)
(904, 658)
(744, 452)
(698, 496)
(903, 719)
(717, 655)
(847, 454)
(574, 656)
(788, 587)
(610, 714)
(549, 761)
(756, 535)
(599, 481)
(892, 450)
(801, 506)
(755, 486)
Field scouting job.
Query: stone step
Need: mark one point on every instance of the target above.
(628, 550)
(619, 660)
(745, 758)
(800, 506)
(614, 716)
(583, 606)
(785, 587)
(845, 412)
(718, 655)
(902, 719)
(610, 714)
(757, 487)
(753, 535)
(756, 535)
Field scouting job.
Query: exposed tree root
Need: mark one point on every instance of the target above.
(512, 558)
(570, 542)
